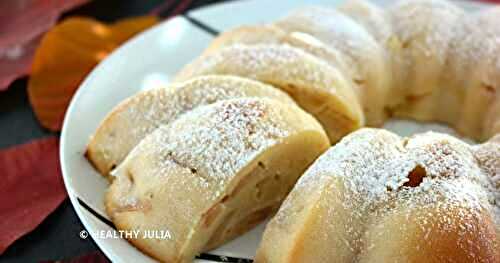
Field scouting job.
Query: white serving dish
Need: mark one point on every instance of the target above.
(149, 60)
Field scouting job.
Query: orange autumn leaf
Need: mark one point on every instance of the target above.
(126, 28)
(66, 54)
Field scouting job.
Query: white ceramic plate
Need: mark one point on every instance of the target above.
(146, 61)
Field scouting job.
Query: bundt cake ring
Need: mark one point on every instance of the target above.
(216, 152)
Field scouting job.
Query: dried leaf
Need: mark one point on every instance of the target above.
(67, 53)
(31, 187)
(21, 24)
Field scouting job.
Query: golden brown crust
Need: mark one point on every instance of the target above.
(432, 235)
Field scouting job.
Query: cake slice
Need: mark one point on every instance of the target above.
(358, 47)
(371, 17)
(212, 174)
(136, 117)
(316, 86)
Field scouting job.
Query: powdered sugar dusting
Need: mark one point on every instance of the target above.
(262, 61)
(216, 146)
(489, 22)
(330, 26)
(426, 25)
(488, 157)
(371, 17)
(476, 39)
(291, 69)
(163, 106)
(146, 111)
(364, 56)
(339, 32)
(374, 165)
